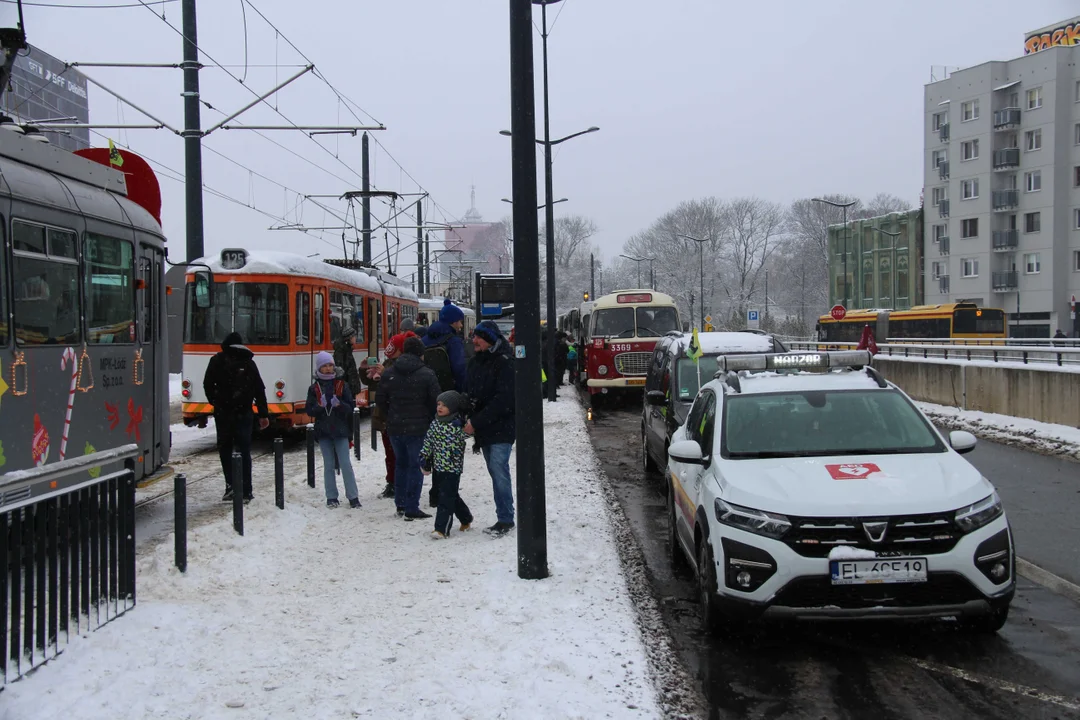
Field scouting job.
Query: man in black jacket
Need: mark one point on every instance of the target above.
(232, 384)
(408, 393)
(491, 422)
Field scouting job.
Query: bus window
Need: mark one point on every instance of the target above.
(656, 321)
(109, 289)
(47, 300)
(978, 322)
(320, 321)
(303, 318)
(261, 312)
(614, 322)
(358, 320)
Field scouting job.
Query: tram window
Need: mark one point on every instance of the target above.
(261, 312)
(3, 295)
(303, 318)
(109, 297)
(320, 321)
(210, 325)
(335, 315)
(376, 315)
(348, 314)
(47, 300)
(358, 320)
(391, 317)
(146, 273)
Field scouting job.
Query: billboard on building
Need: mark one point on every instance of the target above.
(1066, 34)
(42, 88)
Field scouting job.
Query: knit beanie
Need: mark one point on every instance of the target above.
(397, 343)
(489, 331)
(414, 346)
(450, 313)
(452, 400)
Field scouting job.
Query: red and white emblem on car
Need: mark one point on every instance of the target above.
(852, 471)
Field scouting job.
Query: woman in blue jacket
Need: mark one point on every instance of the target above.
(330, 403)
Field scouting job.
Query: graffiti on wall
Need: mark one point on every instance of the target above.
(1066, 34)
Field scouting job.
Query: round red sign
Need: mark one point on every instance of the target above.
(838, 312)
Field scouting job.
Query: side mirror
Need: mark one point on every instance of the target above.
(203, 297)
(687, 452)
(962, 441)
(656, 397)
(686, 326)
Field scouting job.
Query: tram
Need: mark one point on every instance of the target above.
(620, 337)
(287, 308)
(428, 313)
(960, 321)
(82, 311)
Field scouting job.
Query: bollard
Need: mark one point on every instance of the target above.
(180, 520)
(374, 433)
(311, 455)
(356, 432)
(279, 473)
(238, 493)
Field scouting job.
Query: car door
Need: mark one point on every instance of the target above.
(687, 477)
(653, 414)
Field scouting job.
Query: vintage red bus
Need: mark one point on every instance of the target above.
(623, 328)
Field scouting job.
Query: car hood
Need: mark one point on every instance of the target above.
(859, 486)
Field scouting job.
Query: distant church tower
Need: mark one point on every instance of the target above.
(473, 216)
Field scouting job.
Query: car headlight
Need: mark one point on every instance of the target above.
(759, 522)
(602, 369)
(975, 515)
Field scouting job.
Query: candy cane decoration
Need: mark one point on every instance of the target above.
(69, 357)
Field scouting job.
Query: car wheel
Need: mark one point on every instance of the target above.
(711, 618)
(986, 624)
(647, 464)
(676, 557)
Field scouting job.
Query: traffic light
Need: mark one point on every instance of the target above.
(585, 296)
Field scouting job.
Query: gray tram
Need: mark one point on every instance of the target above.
(82, 337)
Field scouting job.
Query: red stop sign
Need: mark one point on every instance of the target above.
(838, 312)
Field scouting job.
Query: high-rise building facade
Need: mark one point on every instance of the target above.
(884, 262)
(43, 88)
(1002, 185)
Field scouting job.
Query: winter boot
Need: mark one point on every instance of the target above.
(354, 503)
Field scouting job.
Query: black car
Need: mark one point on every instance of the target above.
(673, 381)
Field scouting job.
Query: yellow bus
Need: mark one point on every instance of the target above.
(958, 321)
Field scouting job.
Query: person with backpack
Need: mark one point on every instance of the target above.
(232, 383)
(330, 404)
(373, 371)
(346, 360)
(408, 394)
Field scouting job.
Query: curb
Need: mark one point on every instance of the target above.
(1047, 579)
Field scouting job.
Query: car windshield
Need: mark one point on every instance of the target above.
(818, 423)
(614, 322)
(689, 372)
(656, 321)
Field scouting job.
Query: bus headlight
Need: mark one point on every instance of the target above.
(602, 370)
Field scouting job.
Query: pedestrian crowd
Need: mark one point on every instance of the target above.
(427, 401)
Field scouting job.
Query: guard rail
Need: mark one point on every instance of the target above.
(1025, 354)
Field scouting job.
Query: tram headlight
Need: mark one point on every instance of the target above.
(602, 370)
(280, 384)
(185, 384)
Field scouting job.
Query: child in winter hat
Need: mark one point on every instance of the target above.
(443, 453)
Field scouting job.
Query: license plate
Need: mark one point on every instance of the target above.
(873, 572)
(635, 381)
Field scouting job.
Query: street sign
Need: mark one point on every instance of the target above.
(708, 327)
(752, 319)
(838, 312)
(708, 319)
(491, 309)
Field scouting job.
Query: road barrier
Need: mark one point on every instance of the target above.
(180, 521)
(1000, 353)
(67, 540)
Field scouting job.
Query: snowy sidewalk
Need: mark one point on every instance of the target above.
(320, 613)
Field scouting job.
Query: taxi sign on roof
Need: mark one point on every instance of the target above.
(792, 361)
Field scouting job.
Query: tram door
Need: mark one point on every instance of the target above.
(151, 391)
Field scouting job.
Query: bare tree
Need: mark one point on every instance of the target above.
(881, 204)
(754, 229)
(572, 233)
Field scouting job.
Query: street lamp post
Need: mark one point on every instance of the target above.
(640, 260)
(701, 263)
(845, 206)
(892, 269)
(538, 207)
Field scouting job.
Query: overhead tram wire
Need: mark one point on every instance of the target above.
(71, 6)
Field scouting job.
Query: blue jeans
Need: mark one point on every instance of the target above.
(340, 446)
(497, 457)
(408, 477)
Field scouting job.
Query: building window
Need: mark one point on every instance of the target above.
(1033, 140)
(1076, 219)
(1076, 176)
(1032, 222)
(937, 120)
(970, 267)
(1034, 98)
(1076, 134)
(938, 157)
(940, 231)
(1076, 260)
(1078, 91)
(969, 189)
(969, 228)
(938, 194)
(1033, 181)
(969, 150)
(1032, 264)
(969, 110)
(938, 269)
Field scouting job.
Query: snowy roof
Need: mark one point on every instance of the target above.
(437, 303)
(269, 262)
(772, 382)
(721, 343)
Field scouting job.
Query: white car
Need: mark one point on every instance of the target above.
(828, 494)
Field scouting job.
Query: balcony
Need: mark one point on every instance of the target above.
(1006, 159)
(943, 209)
(1005, 199)
(1005, 281)
(943, 132)
(943, 284)
(943, 169)
(1007, 118)
(1005, 240)
(943, 245)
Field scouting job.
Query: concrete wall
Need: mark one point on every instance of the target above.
(1043, 395)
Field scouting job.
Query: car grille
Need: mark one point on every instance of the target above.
(941, 588)
(906, 534)
(633, 363)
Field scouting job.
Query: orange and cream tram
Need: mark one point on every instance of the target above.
(287, 308)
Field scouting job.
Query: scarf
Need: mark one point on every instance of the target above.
(447, 419)
(323, 399)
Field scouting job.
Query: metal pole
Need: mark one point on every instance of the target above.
(529, 412)
(766, 318)
(311, 455)
(279, 473)
(701, 260)
(549, 219)
(180, 521)
(238, 493)
(193, 185)
(427, 262)
(845, 258)
(592, 276)
(356, 433)
(419, 245)
(365, 186)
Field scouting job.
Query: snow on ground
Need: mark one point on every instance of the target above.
(338, 613)
(175, 388)
(1046, 438)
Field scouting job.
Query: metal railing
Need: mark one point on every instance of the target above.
(1005, 281)
(1007, 158)
(943, 169)
(67, 539)
(943, 284)
(943, 132)
(1006, 118)
(1005, 199)
(943, 209)
(1005, 240)
(1061, 355)
(943, 245)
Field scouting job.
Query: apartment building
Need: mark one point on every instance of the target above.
(1002, 188)
(884, 261)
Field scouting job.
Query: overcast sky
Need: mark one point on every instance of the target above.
(693, 97)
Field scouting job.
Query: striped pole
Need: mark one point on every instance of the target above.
(68, 357)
